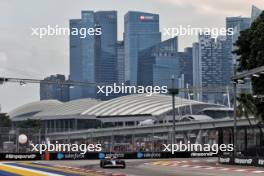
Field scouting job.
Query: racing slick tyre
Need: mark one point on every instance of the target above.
(124, 165)
(102, 164)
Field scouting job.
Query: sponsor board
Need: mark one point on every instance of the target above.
(260, 162)
(244, 161)
(100, 155)
(132, 155)
(20, 156)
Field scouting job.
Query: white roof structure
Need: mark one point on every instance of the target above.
(139, 104)
(131, 105)
(33, 108)
(74, 107)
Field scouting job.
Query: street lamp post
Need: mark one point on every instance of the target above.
(235, 113)
(173, 91)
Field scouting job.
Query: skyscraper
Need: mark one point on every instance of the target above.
(209, 68)
(106, 51)
(213, 60)
(82, 56)
(197, 78)
(239, 24)
(255, 12)
(187, 66)
(158, 63)
(141, 31)
(120, 61)
(93, 58)
(54, 91)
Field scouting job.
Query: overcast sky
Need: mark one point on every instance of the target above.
(23, 55)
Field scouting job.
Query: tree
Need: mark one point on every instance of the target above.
(250, 49)
(29, 123)
(5, 120)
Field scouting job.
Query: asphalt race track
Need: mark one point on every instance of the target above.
(183, 167)
(166, 167)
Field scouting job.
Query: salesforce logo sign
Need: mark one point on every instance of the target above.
(60, 156)
(140, 155)
(101, 155)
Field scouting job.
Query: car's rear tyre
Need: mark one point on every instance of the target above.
(102, 164)
(124, 165)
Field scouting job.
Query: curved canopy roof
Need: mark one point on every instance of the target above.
(131, 105)
(138, 104)
(33, 108)
(73, 107)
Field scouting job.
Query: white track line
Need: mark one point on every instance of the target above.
(258, 172)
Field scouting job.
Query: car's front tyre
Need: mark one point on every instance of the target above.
(102, 164)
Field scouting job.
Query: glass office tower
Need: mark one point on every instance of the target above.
(54, 91)
(158, 63)
(210, 70)
(82, 57)
(239, 24)
(120, 62)
(141, 31)
(106, 51)
(255, 12)
(93, 59)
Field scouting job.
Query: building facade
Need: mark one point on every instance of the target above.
(54, 91)
(255, 13)
(93, 58)
(210, 68)
(239, 24)
(157, 65)
(82, 56)
(141, 31)
(187, 65)
(120, 62)
(106, 52)
(106, 71)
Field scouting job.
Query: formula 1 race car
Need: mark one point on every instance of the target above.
(112, 162)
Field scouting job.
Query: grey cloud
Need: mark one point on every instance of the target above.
(213, 7)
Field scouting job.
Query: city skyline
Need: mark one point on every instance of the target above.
(29, 71)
